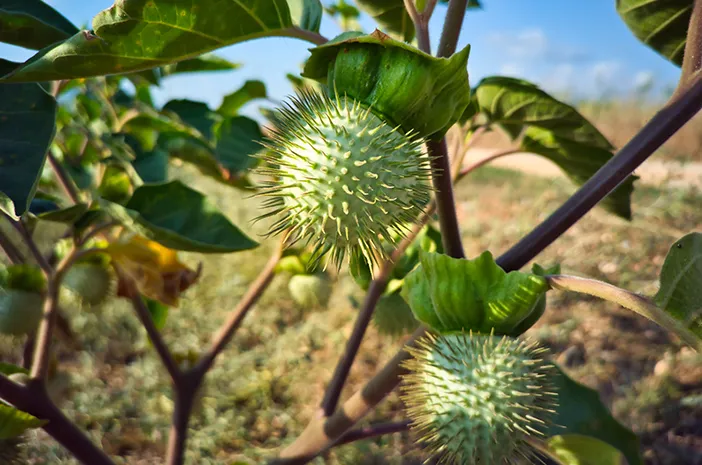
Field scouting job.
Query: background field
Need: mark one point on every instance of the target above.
(269, 381)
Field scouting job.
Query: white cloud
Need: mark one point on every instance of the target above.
(533, 44)
(512, 69)
(643, 79)
(560, 78)
(604, 73)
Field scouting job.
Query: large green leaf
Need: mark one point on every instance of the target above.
(552, 129)
(67, 215)
(27, 126)
(660, 24)
(680, 293)
(306, 14)
(180, 218)
(451, 294)
(233, 102)
(579, 161)
(8, 369)
(196, 114)
(135, 35)
(14, 422)
(238, 139)
(409, 88)
(32, 24)
(207, 62)
(575, 449)
(580, 411)
(391, 15)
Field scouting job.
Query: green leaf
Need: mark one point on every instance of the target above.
(233, 102)
(306, 14)
(68, 215)
(391, 15)
(452, 294)
(575, 449)
(158, 312)
(580, 411)
(407, 87)
(660, 24)
(7, 66)
(14, 422)
(8, 369)
(680, 293)
(27, 126)
(205, 63)
(115, 185)
(152, 167)
(135, 35)
(196, 114)
(552, 129)
(237, 139)
(32, 24)
(180, 218)
(540, 307)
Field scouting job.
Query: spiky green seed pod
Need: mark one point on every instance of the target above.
(92, 282)
(476, 399)
(13, 451)
(343, 179)
(310, 290)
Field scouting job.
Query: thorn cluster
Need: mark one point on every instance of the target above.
(477, 399)
(343, 179)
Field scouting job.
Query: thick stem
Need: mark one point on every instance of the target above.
(35, 401)
(421, 26)
(659, 129)
(159, 344)
(12, 252)
(692, 59)
(452, 27)
(42, 348)
(445, 203)
(186, 389)
(64, 178)
(637, 303)
(372, 431)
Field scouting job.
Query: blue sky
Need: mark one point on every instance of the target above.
(568, 47)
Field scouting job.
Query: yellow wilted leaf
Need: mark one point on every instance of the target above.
(155, 270)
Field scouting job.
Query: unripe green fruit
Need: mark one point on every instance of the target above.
(476, 399)
(92, 282)
(310, 290)
(392, 316)
(343, 179)
(20, 311)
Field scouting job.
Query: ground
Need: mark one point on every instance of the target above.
(271, 378)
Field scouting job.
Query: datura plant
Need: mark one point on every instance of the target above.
(104, 198)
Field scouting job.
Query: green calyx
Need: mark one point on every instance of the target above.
(477, 399)
(343, 180)
(450, 294)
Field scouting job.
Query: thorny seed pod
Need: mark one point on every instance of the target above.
(93, 280)
(343, 179)
(476, 399)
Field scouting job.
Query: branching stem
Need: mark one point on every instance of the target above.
(12, 252)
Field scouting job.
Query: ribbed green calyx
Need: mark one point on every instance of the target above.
(476, 399)
(343, 179)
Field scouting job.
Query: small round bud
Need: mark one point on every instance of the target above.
(343, 179)
(310, 290)
(92, 282)
(477, 399)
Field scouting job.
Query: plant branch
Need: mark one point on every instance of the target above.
(299, 33)
(147, 321)
(64, 178)
(421, 26)
(469, 169)
(678, 111)
(225, 333)
(452, 27)
(446, 206)
(29, 240)
(42, 347)
(692, 58)
(34, 400)
(372, 431)
(12, 252)
(637, 303)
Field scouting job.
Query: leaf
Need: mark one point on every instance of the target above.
(306, 14)
(32, 24)
(660, 24)
(540, 307)
(68, 215)
(409, 88)
(8, 369)
(233, 102)
(391, 14)
(579, 161)
(237, 139)
(680, 292)
(135, 35)
(14, 422)
(158, 311)
(205, 63)
(196, 114)
(575, 449)
(179, 218)
(152, 167)
(580, 411)
(552, 129)
(474, 295)
(27, 126)
(7, 66)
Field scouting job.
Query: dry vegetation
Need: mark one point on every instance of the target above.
(271, 378)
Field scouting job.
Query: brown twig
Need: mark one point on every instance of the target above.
(372, 431)
(485, 161)
(64, 178)
(21, 228)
